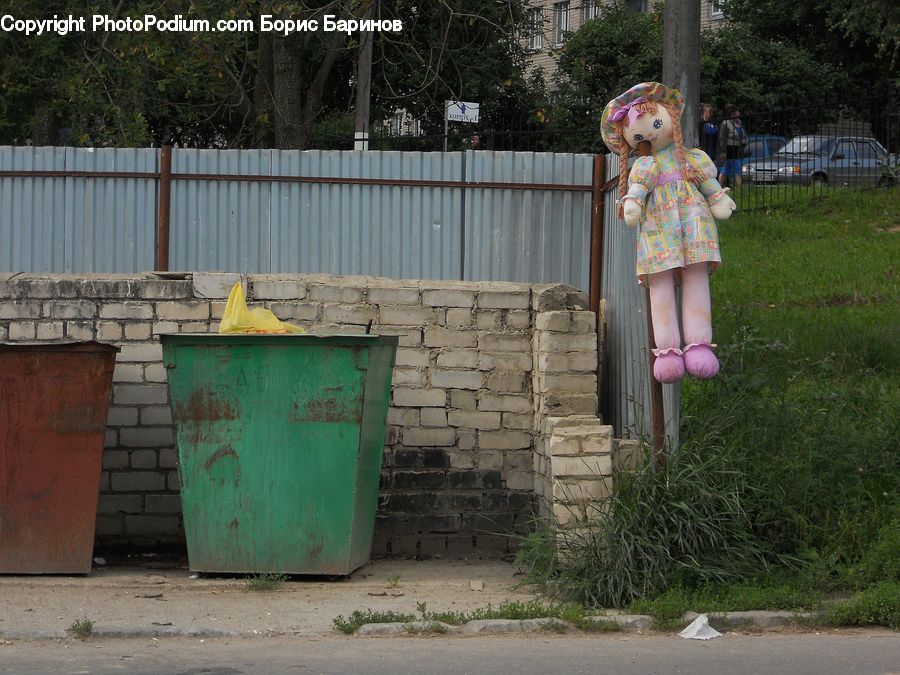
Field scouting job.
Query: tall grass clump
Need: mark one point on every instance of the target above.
(683, 525)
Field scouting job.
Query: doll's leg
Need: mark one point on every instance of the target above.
(696, 316)
(669, 365)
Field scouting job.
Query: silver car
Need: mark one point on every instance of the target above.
(820, 160)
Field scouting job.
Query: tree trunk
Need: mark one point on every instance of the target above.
(314, 96)
(263, 91)
(287, 57)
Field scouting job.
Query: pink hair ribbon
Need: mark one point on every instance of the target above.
(629, 109)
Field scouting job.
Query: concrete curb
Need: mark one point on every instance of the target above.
(628, 623)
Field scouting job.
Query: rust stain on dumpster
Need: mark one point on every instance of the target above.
(54, 401)
(205, 406)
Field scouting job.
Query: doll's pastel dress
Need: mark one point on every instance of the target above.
(676, 228)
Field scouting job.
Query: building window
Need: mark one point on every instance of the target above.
(589, 10)
(635, 6)
(715, 9)
(535, 28)
(561, 13)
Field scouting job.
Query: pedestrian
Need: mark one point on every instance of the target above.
(709, 132)
(732, 146)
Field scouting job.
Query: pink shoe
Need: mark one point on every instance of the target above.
(700, 361)
(668, 366)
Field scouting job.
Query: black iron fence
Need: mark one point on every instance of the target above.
(787, 153)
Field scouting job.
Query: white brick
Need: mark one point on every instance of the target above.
(294, 311)
(409, 376)
(394, 296)
(448, 298)
(520, 480)
(456, 379)
(345, 294)
(511, 361)
(443, 337)
(350, 314)
(558, 322)
(80, 330)
(458, 358)
(583, 361)
(128, 372)
(434, 417)
(122, 417)
(403, 417)
(463, 399)
(518, 319)
(568, 404)
(564, 445)
(405, 316)
(524, 421)
(138, 331)
(506, 382)
(584, 322)
(412, 357)
(216, 284)
(582, 490)
(490, 460)
(140, 394)
(504, 440)
(459, 317)
(22, 330)
(421, 437)
(474, 420)
(516, 404)
(502, 342)
(549, 362)
(182, 311)
(163, 327)
(419, 398)
(109, 331)
(504, 299)
(581, 465)
(566, 342)
(489, 320)
(143, 352)
(156, 415)
(194, 327)
(126, 310)
(53, 330)
(155, 372)
(275, 289)
(71, 309)
(146, 437)
(20, 309)
(574, 384)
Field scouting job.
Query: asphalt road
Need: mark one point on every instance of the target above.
(844, 652)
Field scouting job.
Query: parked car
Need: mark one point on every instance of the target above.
(817, 160)
(763, 145)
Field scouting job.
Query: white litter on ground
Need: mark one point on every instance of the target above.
(700, 630)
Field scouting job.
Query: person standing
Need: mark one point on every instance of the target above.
(709, 132)
(731, 146)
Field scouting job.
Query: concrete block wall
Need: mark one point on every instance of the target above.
(481, 368)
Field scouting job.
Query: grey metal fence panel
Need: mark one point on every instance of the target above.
(628, 378)
(528, 235)
(75, 224)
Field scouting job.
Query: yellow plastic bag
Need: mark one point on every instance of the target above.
(239, 319)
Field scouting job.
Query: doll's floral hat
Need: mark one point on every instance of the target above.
(621, 106)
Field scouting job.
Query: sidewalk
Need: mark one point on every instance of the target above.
(143, 600)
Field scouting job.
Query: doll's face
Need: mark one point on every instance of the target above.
(656, 128)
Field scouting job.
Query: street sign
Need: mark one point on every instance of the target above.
(460, 111)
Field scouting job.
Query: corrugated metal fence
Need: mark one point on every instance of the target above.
(396, 214)
(473, 215)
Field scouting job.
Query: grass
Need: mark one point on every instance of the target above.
(786, 483)
(82, 628)
(265, 581)
(562, 614)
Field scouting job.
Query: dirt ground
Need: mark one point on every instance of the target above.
(163, 597)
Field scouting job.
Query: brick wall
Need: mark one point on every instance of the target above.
(480, 369)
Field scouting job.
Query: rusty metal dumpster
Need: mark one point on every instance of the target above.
(280, 439)
(54, 400)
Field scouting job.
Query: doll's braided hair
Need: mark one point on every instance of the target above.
(688, 171)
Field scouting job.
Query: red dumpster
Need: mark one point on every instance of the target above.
(54, 399)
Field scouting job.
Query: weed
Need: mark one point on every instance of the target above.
(265, 581)
(426, 628)
(82, 628)
(361, 617)
(393, 581)
(878, 605)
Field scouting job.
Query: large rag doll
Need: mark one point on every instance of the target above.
(674, 196)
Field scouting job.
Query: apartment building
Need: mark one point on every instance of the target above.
(550, 20)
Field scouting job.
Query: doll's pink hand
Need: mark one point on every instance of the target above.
(632, 211)
(722, 208)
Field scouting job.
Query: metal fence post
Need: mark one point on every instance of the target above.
(163, 212)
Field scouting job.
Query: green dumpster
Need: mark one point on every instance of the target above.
(280, 440)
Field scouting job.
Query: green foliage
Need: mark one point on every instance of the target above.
(361, 617)
(266, 581)
(881, 561)
(82, 628)
(684, 524)
(878, 605)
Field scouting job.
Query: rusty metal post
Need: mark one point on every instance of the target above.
(657, 411)
(596, 264)
(164, 210)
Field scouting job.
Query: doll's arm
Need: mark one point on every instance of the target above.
(720, 204)
(641, 180)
